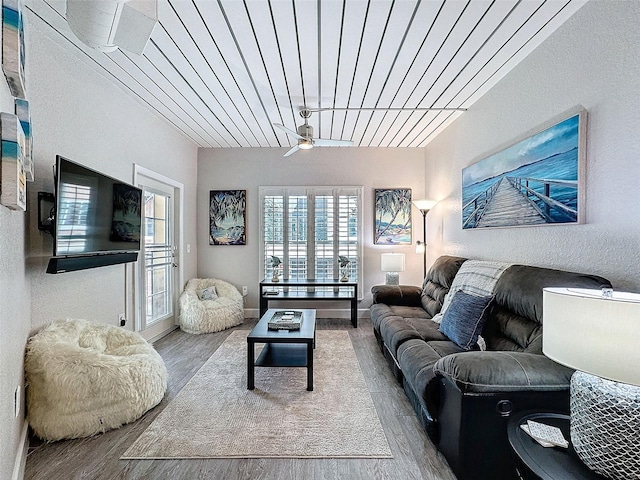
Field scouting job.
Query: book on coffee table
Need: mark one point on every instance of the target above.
(285, 320)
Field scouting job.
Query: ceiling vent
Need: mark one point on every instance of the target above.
(106, 25)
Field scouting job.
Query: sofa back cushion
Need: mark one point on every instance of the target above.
(515, 322)
(438, 282)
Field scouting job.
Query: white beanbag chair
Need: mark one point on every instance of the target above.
(204, 309)
(85, 378)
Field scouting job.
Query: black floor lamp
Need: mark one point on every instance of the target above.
(421, 246)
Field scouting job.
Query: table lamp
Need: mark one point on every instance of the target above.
(598, 334)
(392, 263)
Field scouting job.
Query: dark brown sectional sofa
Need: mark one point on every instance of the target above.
(464, 398)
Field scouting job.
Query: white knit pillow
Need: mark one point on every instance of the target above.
(208, 293)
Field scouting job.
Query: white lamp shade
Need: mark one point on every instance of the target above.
(392, 262)
(586, 331)
(424, 204)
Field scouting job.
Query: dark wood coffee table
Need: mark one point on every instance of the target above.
(283, 348)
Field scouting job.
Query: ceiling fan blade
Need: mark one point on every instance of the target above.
(291, 151)
(326, 142)
(288, 131)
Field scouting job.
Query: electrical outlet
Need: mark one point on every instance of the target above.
(17, 401)
(122, 319)
(244, 291)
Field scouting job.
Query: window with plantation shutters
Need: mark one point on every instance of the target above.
(309, 228)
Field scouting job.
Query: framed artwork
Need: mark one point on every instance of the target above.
(22, 111)
(227, 217)
(536, 181)
(392, 211)
(13, 183)
(13, 49)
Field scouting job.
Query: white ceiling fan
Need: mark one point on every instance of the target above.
(304, 135)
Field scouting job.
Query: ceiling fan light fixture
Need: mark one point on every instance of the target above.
(305, 144)
(305, 138)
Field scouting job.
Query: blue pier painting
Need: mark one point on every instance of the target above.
(537, 181)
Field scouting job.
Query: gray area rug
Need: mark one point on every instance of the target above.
(215, 416)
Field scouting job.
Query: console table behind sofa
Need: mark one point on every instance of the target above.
(347, 291)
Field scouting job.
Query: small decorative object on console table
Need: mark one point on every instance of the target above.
(392, 263)
(275, 264)
(344, 262)
(596, 333)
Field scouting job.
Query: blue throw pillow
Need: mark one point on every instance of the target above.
(464, 320)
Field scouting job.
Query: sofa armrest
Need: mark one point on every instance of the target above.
(406, 295)
(503, 371)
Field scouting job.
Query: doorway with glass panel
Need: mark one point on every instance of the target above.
(157, 284)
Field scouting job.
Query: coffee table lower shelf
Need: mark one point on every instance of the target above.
(282, 355)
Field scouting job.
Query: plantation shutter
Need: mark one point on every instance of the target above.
(309, 228)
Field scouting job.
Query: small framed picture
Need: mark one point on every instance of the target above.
(13, 49)
(22, 111)
(13, 182)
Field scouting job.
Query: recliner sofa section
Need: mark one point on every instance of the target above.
(464, 398)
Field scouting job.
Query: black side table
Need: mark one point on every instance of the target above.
(537, 462)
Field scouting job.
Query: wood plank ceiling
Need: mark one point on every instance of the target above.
(223, 71)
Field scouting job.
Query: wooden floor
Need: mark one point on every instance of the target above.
(98, 457)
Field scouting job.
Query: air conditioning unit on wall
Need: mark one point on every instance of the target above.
(110, 24)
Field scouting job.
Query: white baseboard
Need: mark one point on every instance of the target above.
(320, 312)
(21, 455)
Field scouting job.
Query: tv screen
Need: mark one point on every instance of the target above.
(95, 214)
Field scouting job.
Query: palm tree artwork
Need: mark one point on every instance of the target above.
(227, 220)
(392, 216)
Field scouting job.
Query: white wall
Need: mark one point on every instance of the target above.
(81, 115)
(591, 60)
(14, 318)
(247, 169)
(78, 113)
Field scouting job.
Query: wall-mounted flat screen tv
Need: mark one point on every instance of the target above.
(98, 219)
